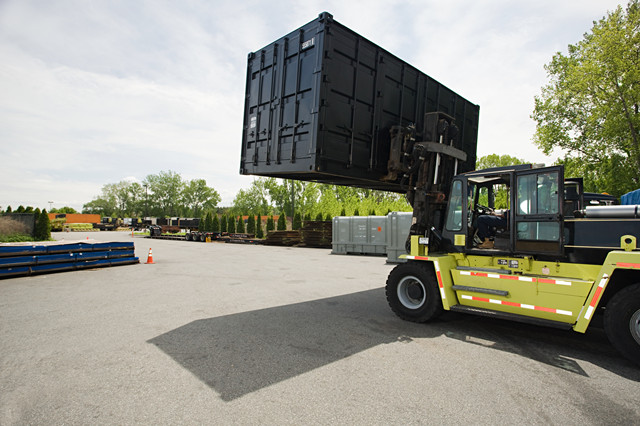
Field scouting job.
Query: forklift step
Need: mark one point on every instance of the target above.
(512, 317)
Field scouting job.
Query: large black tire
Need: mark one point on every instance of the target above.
(187, 236)
(412, 292)
(622, 322)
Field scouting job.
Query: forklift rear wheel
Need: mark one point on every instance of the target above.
(412, 292)
(622, 322)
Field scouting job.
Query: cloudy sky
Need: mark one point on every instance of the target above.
(94, 92)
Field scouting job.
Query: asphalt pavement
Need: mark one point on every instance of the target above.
(215, 333)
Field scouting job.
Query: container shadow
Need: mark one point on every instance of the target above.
(240, 353)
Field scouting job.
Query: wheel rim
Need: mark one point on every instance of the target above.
(634, 326)
(411, 292)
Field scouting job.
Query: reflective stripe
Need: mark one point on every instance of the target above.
(628, 265)
(596, 297)
(517, 305)
(515, 277)
(438, 273)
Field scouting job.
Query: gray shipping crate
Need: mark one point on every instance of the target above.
(398, 226)
(359, 235)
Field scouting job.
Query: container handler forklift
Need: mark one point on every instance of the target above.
(325, 104)
(556, 263)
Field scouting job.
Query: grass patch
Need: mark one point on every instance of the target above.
(15, 238)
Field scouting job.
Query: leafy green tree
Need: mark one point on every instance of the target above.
(223, 224)
(251, 224)
(29, 209)
(215, 224)
(240, 228)
(231, 225)
(319, 216)
(8, 210)
(297, 221)
(198, 196)
(42, 231)
(495, 160)
(20, 209)
(270, 224)
(255, 199)
(166, 189)
(282, 222)
(590, 110)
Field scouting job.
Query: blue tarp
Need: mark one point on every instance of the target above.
(631, 198)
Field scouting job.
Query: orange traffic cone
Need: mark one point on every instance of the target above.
(150, 258)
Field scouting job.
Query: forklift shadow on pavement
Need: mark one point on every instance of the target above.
(240, 353)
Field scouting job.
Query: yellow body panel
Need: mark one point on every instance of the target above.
(556, 291)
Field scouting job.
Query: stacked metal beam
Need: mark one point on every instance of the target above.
(38, 258)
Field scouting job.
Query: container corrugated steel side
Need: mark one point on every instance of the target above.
(320, 103)
(398, 227)
(359, 235)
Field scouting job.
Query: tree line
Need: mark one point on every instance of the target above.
(158, 195)
(166, 194)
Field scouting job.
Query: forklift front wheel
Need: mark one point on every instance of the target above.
(412, 292)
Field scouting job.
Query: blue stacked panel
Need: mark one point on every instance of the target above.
(20, 260)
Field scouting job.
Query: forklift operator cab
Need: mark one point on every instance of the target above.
(533, 197)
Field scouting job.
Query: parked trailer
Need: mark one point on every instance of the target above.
(159, 232)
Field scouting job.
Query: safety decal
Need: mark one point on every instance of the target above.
(596, 297)
(517, 305)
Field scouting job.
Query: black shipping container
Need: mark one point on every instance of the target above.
(320, 103)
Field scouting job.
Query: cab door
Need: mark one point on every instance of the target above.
(537, 211)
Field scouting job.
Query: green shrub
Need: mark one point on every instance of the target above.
(259, 233)
(43, 227)
(215, 224)
(271, 225)
(297, 221)
(251, 224)
(240, 227)
(282, 222)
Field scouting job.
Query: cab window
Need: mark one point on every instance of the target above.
(454, 212)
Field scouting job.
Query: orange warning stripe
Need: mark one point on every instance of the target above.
(628, 265)
(517, 305)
